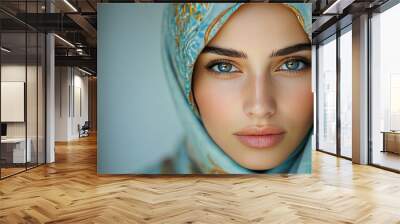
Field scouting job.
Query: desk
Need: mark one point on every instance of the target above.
(15, 148)
(391, 141)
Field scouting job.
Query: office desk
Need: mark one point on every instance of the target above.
(13, 150)
(391, 141)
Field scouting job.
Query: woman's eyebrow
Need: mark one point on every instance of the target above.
(291, 49)
(224, 52)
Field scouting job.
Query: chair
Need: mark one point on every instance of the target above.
(84, 130)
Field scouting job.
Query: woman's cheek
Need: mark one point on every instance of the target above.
(297, 104)
(218, 102)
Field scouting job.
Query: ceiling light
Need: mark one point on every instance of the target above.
(84, 71)
(329, 9)
(5, 50)
(65, 41)
(70, 5)
(337, 7)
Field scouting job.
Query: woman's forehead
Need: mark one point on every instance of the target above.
(271, 27)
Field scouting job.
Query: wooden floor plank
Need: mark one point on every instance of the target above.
(70, 191)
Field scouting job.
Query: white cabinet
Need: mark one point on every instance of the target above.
(18, 149)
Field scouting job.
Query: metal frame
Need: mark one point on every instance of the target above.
(338, 74)
(44, 74)
(369, 113)
(26, 88)
(45, 91)
(317, 97)
(387, 5)
(37, 91)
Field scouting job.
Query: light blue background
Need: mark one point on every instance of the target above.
(137, 123)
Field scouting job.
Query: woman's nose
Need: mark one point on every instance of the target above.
(259, 99)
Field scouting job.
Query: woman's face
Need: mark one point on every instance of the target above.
(252, 85)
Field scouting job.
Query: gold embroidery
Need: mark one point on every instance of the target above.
(297, 14)
(213, 23)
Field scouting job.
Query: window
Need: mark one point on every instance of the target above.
(385, 89)
(346, 92)
(327, 96)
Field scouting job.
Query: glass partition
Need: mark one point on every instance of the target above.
(22, 88)
(327, 95)
(13, 105)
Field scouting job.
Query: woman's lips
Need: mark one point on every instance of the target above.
(260, 137)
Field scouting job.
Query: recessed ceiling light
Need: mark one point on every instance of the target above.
(84, 71)
(5, 50)
(65, 41)
(337, 7)
(70, 5)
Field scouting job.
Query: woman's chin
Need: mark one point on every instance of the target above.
(259, 166)
(259, 160)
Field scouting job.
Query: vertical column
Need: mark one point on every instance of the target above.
(360, 90)
(50, 92)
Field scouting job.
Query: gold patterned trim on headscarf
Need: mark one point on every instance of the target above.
(297, 14)
(213, 23)
(186, 9)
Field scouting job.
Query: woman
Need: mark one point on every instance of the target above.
(240, 75)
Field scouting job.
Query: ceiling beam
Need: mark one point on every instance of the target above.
(84, 61)
(86, 26)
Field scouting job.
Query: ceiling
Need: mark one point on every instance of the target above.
(76, 22)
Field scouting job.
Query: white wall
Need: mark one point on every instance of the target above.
(17, 73)
(69, 82)
(12, 73)
(62, 81)
(12, 101)
(79, 117)
(33, 126)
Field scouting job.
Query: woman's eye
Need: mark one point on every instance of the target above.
(293, 65)
(223, 67)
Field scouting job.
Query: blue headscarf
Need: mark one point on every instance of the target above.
(187, 28)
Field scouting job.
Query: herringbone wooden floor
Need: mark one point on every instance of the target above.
(70, 191)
